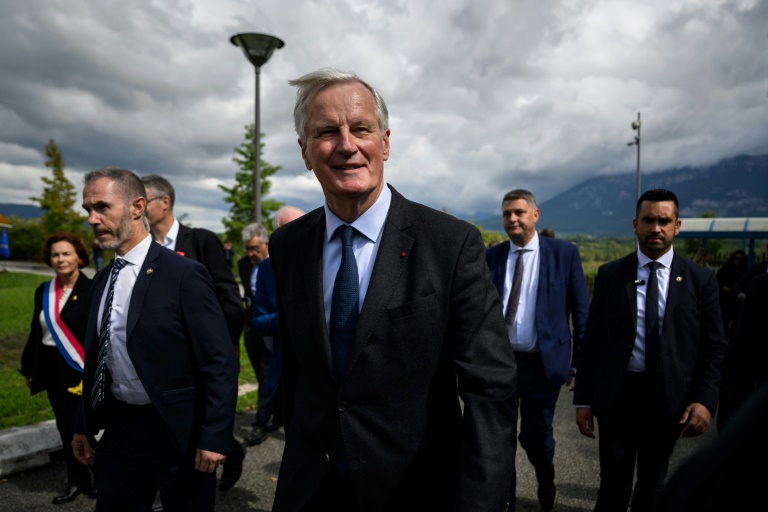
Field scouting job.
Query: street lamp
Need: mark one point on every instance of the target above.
(257, 48)
(636, 127)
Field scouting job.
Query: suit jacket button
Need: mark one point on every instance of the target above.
(342, 406)
(327, 458)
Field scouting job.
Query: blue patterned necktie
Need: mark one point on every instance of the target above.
(344, 313)
(652, 334)
(344, 303)
(105, 331)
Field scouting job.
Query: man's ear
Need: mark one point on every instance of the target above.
(304, 156)
(138, 206)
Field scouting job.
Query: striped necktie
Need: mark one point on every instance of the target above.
(514, 292)
(105, 331)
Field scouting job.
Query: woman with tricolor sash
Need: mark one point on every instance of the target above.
(53, 357)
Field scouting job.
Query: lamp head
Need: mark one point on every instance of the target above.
(635, 124)
(257, 48)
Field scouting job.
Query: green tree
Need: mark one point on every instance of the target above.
(25, 239)
(240, 196)
(58, 198)
(490, 237)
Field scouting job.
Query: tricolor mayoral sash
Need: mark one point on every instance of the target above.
(70, 348)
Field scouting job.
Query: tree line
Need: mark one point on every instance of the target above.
(59, 202)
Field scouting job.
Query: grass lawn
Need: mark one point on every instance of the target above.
(17, 408)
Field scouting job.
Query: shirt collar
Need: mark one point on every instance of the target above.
(138, 254)
(532, 244)
(172, 234)
(665, 260)
(370, 223)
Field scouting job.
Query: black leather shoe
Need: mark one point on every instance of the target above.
(70, 494)
(547, 493)
(233, 467)
(256, 436)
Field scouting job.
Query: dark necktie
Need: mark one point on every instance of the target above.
(344, 304)
(105, 332)
(344, 313)
(514, 292)
(652, 334)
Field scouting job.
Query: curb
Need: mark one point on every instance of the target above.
(28, 447)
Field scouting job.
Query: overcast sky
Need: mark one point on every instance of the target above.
(484, 96)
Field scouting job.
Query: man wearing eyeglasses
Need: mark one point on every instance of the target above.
(205, 247)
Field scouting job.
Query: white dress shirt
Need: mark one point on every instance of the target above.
(169, 241)
(371, 225)
(126, 385)
(637, 360)
(522, 334)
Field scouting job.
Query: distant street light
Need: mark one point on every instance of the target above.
(636, 127)
(257, 48)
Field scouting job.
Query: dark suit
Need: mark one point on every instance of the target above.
(49, 371)
(639, 412)
(245, 269)
(562, 296)
(264, 324)
(742, 284)
(178, 343)
(744, 367)
(722, 475)
(430, 330)
(204, 246)
(254, 344)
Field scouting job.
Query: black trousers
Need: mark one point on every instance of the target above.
(136, 455)
(65, 404)
(637, 429)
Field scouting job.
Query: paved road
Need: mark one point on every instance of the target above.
(575, 459)
(576, 462)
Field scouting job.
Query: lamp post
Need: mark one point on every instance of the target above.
(636, 142)
(257, 48)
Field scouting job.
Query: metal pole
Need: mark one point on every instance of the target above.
(257, 156)
(637, 142)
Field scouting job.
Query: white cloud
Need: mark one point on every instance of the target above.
(484, 96)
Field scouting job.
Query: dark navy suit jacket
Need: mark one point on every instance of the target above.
(430, 331)
(179, 344)
(562, 297)
(264, 321)
(692, 338)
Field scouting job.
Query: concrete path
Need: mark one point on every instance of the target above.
(32, 488)
(575, 457)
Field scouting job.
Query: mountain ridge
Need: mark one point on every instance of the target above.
(605, 205)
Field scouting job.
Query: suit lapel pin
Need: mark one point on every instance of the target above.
(149, 271)
(679, 279)
(74, 297)
(402, 254)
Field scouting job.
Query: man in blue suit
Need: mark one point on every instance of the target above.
(160, 376)
(264, 325)
(542, 286)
